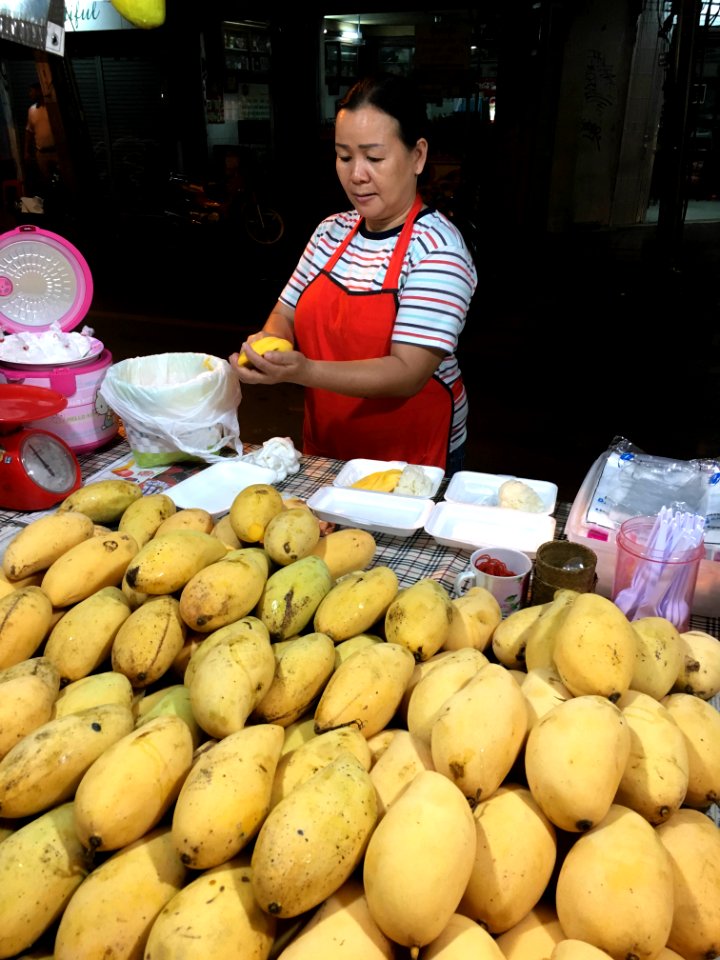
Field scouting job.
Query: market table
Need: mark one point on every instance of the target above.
(412, 558)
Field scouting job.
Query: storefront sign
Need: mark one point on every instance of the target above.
(33, 23)
(84, 15)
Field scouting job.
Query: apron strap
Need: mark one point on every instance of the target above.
(392, 275)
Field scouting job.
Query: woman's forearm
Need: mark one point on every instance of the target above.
(391, 376)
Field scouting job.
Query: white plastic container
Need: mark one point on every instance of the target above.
(467, 526)
(601, 540)
(214, 488)
(355, 470)
(394, 515)
(482, 489)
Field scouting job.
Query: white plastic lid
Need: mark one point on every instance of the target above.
(44, 280)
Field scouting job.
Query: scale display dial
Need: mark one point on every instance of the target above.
(46, 462)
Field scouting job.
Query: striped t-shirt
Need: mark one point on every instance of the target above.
(437, 281)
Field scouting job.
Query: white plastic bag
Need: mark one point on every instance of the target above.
(175, 406)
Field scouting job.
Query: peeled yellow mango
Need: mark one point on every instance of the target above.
(263, 345)
(383, 480)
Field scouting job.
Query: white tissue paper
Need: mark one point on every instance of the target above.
(278, 454)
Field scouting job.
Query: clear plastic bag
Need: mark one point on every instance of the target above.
(176, 406)
(634, 483)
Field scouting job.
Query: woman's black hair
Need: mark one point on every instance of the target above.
(396, 96)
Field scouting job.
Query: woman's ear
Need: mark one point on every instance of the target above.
(421, 152)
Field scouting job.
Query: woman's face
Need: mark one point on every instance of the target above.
(376, 170)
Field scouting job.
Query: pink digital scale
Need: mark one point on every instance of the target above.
(45, 281)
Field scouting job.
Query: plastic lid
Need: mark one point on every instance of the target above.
(44, 280)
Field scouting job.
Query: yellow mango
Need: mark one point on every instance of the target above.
(25, 619)
(42, 541)
(509, 878)
(225, 590)
(474, 618)
(419, 860)
(346, 550)
(430, 693)
(314, 839)
(104, 501)
(83, 637)
(356, 602)
(542, 632)
(692, 842)
(148, 641)
(655, 780)
(595, 648)
(575, 756)
(462, 938)
(618, 869)
(480, 731)
(291, 534)
(534, 937)
(406, 755)
(419, 618)
(344, 918)
(509, 638)
(700, 724)
(215, 915)
(699, 671)
(142, 517)
(658, 656)
(252, 509)
(543, 690)
(366, 689)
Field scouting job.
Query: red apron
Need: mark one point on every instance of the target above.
(333, 323)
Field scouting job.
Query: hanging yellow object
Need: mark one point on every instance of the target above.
(383, 480)
(145, 14)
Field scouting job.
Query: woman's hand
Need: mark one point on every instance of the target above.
(275, 366)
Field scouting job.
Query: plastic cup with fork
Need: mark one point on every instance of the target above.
(657, 564)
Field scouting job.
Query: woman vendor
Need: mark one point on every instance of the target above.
(376, 304)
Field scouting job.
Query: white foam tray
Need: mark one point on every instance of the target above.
(355, 470)
(469, 526)
(394, 515)
(482, 489)
(215, 487)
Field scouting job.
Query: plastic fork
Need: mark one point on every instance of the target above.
(646, 575)
(673, 605)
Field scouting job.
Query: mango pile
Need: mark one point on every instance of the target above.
(243, 739)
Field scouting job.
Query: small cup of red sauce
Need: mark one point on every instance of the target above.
(505, 573)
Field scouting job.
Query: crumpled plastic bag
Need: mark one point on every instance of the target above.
(633, 483)
(176, 406)
(278, 454)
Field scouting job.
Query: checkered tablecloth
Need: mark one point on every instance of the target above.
(412, 558)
